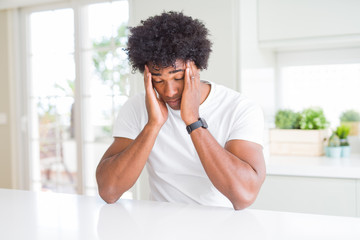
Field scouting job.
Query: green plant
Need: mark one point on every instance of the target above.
(334, 140)
(111, 63)
(350, 116)
(342, 132)
(313, 118)
(287, 119)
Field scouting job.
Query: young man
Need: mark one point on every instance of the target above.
(201, 142)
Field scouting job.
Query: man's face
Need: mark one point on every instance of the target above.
(169, 83)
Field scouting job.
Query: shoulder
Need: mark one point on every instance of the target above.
(137, 99)
(134, 107)
(233, 99)
(135, 102)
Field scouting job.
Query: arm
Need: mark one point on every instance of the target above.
(238, 169)
(124, 160)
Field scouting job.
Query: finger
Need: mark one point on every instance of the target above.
(146, 77)
(194, 77)
(150, 91)
(195, 73)
(187, 75)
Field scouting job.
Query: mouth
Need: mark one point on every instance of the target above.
(174, 103)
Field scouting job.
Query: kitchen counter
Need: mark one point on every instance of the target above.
(315, 166)
(31, 215)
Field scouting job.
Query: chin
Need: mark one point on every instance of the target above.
(175, 107)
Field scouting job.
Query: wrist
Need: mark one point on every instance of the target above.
(154, 126)
(190, 120)
(200, 123)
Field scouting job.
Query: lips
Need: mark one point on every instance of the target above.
(174, 103)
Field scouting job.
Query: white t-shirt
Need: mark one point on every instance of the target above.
(175, 171)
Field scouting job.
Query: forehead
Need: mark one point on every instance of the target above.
(179, 64)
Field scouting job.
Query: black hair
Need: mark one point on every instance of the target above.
(165, 38)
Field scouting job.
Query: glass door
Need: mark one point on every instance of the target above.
(51, 97)
(78, 79)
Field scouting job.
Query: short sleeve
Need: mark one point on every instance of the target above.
(128, 123)
(248, 123)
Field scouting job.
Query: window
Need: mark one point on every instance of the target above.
(335, 88)
(329, 79)
(77, 80)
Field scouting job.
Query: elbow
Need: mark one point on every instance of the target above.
(244, 202)
(109, 192)
(244, 198)
(109, 195)
(246, 195)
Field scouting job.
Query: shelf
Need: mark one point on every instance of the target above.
(314, 166)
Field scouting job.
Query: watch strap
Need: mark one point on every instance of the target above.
(200, 123)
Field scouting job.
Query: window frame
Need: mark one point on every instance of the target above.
(25, 177)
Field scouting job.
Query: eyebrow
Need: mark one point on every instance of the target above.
(174, 71)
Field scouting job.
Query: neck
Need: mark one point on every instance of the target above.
(205, 90)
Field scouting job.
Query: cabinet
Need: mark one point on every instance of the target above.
(329, 196)
(308, 23)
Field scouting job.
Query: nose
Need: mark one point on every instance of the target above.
(171, 90)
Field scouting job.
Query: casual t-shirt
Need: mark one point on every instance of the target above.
(175, 171)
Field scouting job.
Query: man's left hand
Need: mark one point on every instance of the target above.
(190, 100)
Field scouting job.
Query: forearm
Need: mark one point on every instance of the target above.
(233, 177)
(118, 173)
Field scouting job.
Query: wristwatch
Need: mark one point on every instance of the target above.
(200, 123)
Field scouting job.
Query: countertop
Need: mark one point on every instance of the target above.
(314, 166)
(38, 215)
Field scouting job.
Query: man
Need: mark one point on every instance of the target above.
(201, 142)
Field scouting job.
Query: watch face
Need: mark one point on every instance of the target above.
(203, 122)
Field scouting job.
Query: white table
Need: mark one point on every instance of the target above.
(30, 215)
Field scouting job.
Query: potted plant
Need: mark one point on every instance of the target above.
(342, 132)
(287, 119)
(302, 133)
(313, 118)
(351, 118)
(333, 150)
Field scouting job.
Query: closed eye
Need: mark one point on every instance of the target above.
(159, 81)
(179, 76)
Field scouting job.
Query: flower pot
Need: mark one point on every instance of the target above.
(297, 142)
(345, 151)
(333, 152)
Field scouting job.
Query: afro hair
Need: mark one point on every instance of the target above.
(165, 38)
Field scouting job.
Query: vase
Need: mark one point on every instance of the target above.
(333, 152)
(345, 151)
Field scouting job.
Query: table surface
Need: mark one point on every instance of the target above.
(314, 166)
(38, 215)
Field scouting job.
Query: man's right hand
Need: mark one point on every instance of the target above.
(156, 108)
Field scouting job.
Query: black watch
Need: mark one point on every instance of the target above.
(200, 123)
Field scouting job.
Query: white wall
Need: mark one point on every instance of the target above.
(257, 66)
